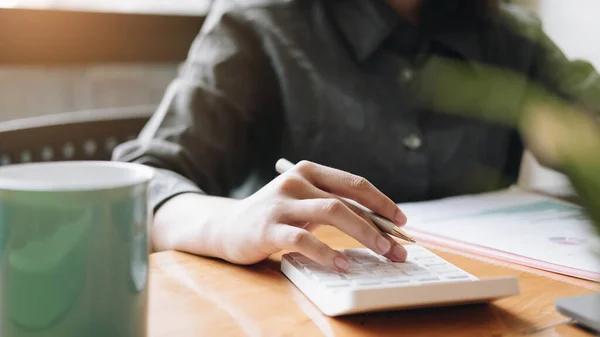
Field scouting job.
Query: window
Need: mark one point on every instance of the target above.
(182, 7)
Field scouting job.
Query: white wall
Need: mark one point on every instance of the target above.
(574, 25)
(37, 90)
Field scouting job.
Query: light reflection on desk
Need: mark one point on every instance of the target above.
(185, 290)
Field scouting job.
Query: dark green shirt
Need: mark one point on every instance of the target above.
(349, 84)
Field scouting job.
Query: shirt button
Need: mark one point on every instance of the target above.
(412, 142)
(407, 75)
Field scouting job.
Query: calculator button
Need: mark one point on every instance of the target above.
(363, 259)
(377, 265)
(417, 272)
(359, 276)
(357, 272)
(446, 271)
(326, 277)
(337, 284)
(433, 262)
(396, 280)
(386, 272)
(443, 268)
(362, 277)
(357, 253)
(419, 257)
(400, 265)
(404, 265)
(367, 282)
(355, 269)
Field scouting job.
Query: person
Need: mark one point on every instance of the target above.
(339, 86)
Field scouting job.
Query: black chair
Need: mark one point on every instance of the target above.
(83, 135)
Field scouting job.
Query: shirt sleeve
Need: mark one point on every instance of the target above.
(576, 80)
(217, 116)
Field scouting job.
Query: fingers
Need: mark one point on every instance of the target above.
(398, 253)
(297, 187)
(311, 188)
(334, 212)
(351, 186)
(299, 240)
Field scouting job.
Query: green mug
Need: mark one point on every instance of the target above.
(74, 248)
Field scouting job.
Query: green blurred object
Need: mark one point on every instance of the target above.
(73, 250)
(570, 138)
(562, 134)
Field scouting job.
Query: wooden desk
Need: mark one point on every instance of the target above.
(193, 296)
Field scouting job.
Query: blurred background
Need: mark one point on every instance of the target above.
(53, 62)
(103, 54)
(61, 56)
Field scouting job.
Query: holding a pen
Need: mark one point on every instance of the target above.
(380, 222)
(281, 216)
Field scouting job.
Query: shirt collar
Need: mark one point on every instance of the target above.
(466, 43)
(366, 24)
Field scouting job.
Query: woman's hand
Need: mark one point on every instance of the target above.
(280, 217)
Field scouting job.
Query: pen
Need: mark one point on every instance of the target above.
(383, 224)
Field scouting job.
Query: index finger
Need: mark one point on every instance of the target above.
(353, 187)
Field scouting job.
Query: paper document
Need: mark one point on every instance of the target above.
(512, 225)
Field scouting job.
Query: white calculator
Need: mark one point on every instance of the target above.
(374, 283)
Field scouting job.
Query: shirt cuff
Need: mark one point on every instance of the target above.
(166, 185)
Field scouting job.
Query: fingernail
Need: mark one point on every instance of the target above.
(341, 264)
(400, 218)
(399, 253)
(383, 245)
